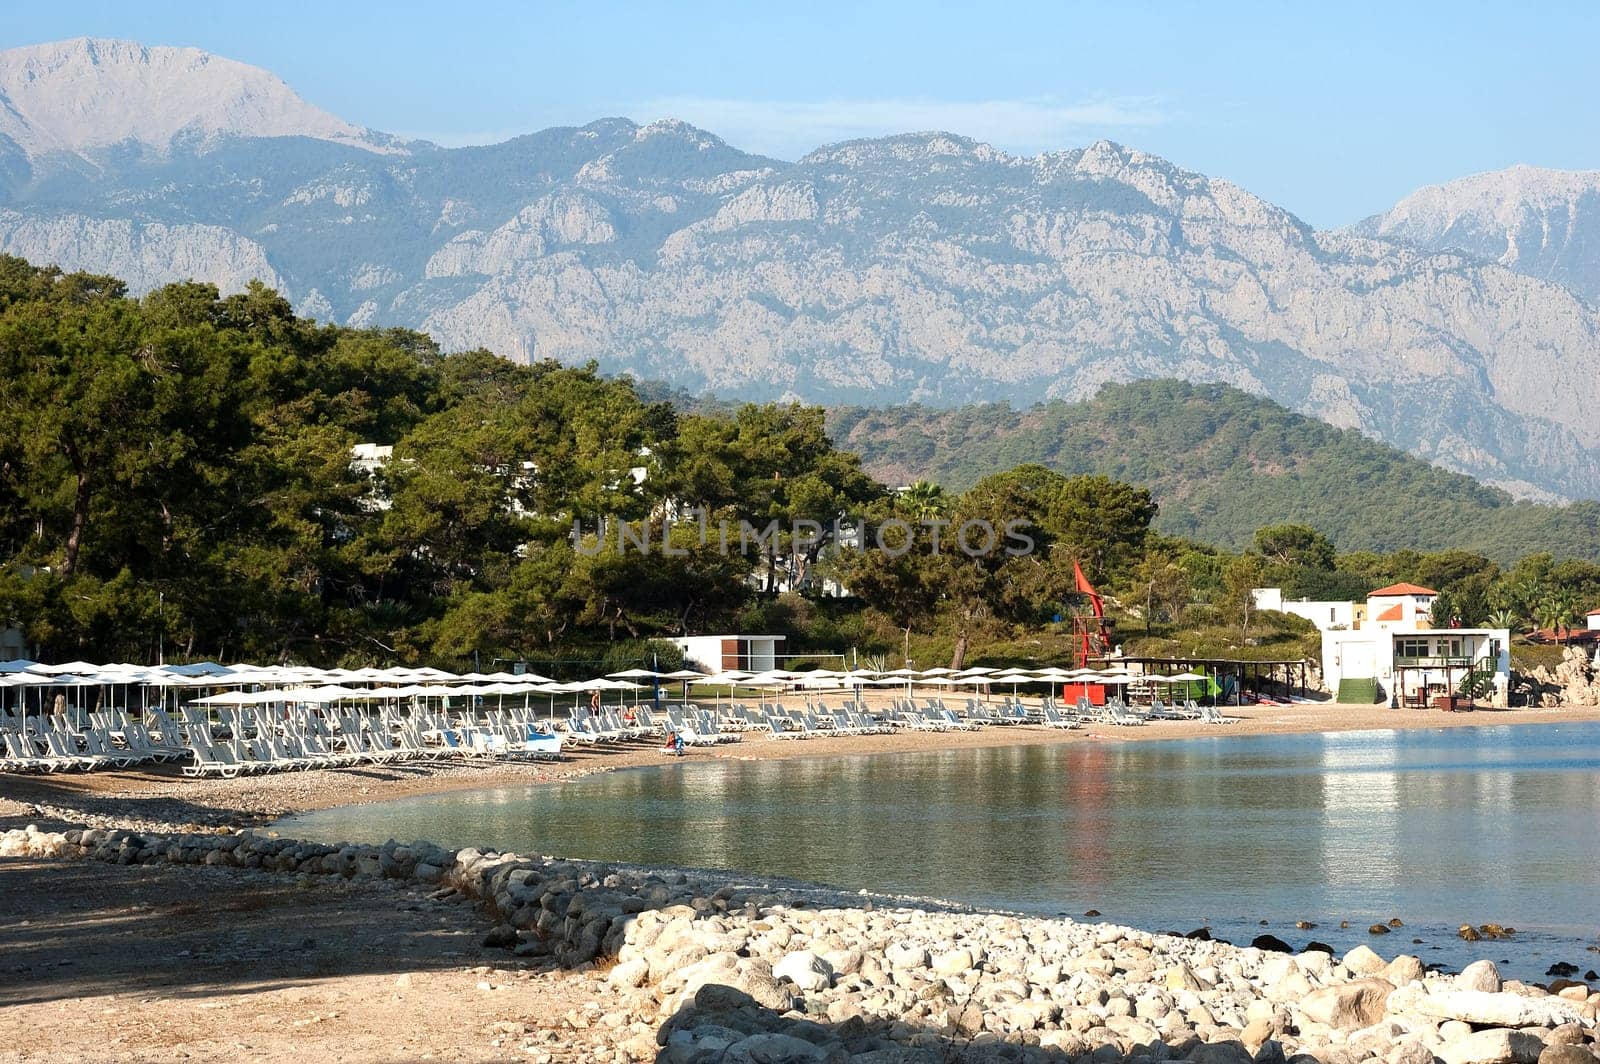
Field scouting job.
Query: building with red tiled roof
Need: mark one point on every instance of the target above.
(1397, 590)
(1388, 648)
(1410, 605)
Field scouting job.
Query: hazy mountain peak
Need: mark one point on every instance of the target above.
(87, 93)
(678, 129)
(1545, 223)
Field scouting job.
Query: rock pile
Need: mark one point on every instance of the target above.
(723, 973)
(1573, 682)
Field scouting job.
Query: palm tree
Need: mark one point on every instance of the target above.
(925, 500)
(1555, 610)
(1504, 617)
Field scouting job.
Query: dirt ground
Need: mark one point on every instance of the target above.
(149, 963)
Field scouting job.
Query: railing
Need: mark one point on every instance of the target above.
(1435, 662)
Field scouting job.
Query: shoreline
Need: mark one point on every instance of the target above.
(632, 963)
(160, 798)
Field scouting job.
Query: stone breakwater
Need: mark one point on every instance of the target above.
(698, 971)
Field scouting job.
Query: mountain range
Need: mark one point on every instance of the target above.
(1460, 326)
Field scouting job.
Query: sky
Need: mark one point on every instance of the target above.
(1333, 111)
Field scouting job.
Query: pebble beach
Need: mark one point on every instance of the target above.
(553, 960)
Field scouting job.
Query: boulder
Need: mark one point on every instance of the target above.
(1221, 1053)
(1404, 969)
(1347, 1006)
(1497, 1010)
(1480, 975)
(953, 962)
(629, 974)
(1567, 1053)
(1276, 969)
(1495, 1046)
(501, 936)
(1364, 961)
(805, 970)
(1408, 1051)
(901, 956)
(772, 1049)
(1179, 977)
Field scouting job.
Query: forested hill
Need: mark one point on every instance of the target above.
(1221, 463)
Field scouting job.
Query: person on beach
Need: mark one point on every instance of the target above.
(594, 703)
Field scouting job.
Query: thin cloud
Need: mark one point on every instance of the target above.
(788, 129)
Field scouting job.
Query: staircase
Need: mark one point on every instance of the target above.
(1477, 683)
(1358, 692)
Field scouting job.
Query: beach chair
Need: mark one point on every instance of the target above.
(538, 744)
(210, 759)
(22, 752)
(1212, 715)
(580, 730)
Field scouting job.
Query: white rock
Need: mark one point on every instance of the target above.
(1498, 1010)
(805, 970)
(1493, 1047)
(953, 962)
(1480, 975)
(1363, 961)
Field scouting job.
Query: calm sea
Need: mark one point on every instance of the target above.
(1435, 827)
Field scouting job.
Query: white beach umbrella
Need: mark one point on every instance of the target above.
(70, 667)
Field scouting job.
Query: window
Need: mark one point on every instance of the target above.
(1411, 648)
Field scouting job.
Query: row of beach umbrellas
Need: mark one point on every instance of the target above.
(239, 685)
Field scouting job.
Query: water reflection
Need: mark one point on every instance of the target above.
(1437, 827)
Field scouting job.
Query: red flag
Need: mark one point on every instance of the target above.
(1083, 586)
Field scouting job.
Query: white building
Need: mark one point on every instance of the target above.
(1387, 649)
(1325, 615)
(1594, 620)
(716, 653)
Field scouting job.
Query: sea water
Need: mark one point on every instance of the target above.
(1435, 827)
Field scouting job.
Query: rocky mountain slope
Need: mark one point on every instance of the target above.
(83, 94)
(925, 266)
(1544, 223)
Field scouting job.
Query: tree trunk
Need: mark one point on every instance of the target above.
(959, 658)
(80, 516)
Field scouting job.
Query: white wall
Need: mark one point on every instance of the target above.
(701, 651)
(1324, 615)
(705, 651)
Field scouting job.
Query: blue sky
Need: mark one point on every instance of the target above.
(1333, 111)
